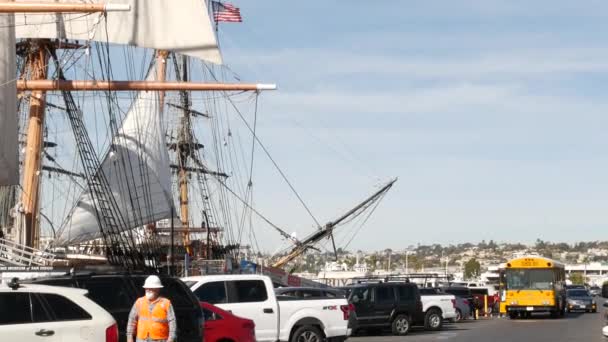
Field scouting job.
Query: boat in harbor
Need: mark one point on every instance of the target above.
(127, 144)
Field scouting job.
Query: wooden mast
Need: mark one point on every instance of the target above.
(70, 85)
(37, 63)
(48, 7)
(183, 150)
(161, 73)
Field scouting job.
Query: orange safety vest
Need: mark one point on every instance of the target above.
(152, 324)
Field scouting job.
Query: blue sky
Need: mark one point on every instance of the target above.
(491, 113)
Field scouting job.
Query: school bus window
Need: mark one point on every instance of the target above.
(518, 279)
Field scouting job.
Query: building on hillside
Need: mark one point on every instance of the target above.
(595, 273)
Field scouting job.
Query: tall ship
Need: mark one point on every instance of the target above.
(131, 145)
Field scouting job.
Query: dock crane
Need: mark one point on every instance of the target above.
(327, 231)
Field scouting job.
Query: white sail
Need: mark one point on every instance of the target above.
(182, 26)
(137, 169)
(9, 160)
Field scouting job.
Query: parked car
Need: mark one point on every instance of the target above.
(571, 287)
(461, 305)
(253, 297)
(580, 299)
(605, 329)
(605, 290)
(595, 290)
(52, 314)
(223, 326)
(461, 292)
(117, 293)
(345, 289)
(309, 292)
(384, 305)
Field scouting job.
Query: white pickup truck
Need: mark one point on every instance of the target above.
(253, 297)
(437, 306)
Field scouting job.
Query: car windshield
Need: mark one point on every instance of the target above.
(577, 293)
(531, 279)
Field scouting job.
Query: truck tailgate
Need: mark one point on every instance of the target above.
(329, 312)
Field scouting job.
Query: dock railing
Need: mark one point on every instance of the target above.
(15, 254)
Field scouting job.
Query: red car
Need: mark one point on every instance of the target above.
(223, 326)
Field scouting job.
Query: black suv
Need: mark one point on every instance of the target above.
(459, 291)
(379, 305)
(117, 293)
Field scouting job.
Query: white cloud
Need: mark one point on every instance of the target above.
(326, 63)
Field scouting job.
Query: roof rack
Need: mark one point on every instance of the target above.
(399, 278)
(100, 270)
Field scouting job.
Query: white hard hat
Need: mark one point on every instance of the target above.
(153, 282)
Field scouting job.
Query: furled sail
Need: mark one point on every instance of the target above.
(137, 169)
(182, 26)
(9, 160)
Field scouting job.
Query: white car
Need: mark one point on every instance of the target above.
(52, 314)
(253, 297)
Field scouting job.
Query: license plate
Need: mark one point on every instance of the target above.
(581, 306)
(530, 308)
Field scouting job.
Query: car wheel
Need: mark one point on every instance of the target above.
(433, 320)
(458, 315)
(401, 325)
(307, 333)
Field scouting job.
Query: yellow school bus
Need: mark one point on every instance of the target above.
(532, 284)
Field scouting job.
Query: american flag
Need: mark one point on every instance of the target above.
(226, 12)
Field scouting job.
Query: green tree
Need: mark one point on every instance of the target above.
(577, 279)
(472, 269)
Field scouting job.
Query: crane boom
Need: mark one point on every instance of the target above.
(328, 229)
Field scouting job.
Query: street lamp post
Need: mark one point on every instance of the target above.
(407, 253)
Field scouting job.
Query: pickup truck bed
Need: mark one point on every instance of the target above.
(437, 307)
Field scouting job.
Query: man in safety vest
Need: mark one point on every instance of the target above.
(152, 318)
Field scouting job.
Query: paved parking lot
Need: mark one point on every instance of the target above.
(574, 328)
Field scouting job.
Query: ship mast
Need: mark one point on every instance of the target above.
(37, 65)
(184, 144)
(328, 230)
(39, 53)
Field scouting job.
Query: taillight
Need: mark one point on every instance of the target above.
(419, 305)
(345, 311)
(249, 325)
(112, 333)
(454, 303)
